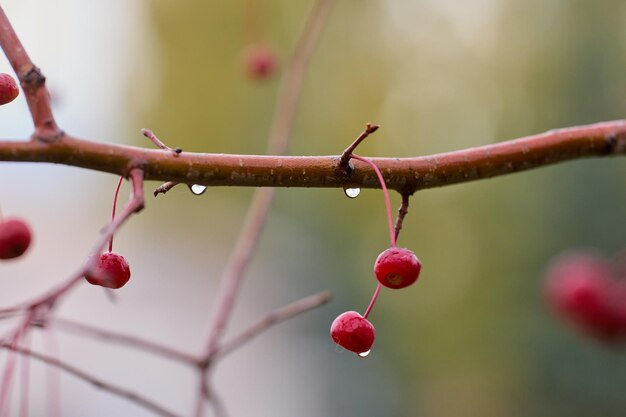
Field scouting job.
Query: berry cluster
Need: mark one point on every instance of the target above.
(394, 268)
(588, 292)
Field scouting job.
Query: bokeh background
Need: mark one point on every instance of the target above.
(471, 338)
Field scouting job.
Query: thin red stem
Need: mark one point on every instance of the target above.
(373, 300)
(117, 191)
(392, 232)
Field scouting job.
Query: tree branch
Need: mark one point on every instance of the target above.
(96, 382)
(405, 175)
(124, 339)
(32, 81)
(273, 318)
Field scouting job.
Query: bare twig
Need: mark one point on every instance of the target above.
(165, 187)
(345, 156)
(95, 381)
(275, 317)
(405, 175)
(402, 212)
(150, 135)
(124, 339)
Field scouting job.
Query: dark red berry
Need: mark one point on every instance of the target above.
(15, 238)
(397, 268)
(581, 288)
(353, 332)
(112, 271)
(8, 89)
(260, 62)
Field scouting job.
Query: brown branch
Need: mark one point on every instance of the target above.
(275, 317)
(405, 175)
(95, 381)
(32, 81)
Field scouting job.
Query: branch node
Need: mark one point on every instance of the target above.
(31, 79)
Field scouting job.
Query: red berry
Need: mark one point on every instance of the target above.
(353, 332)
(581, 288)
(397, 268)
(15, 238)
(8, 89)
(112, 271)
(260, 62)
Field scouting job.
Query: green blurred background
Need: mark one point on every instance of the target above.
(472, 337)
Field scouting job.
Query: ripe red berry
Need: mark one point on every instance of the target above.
(15, 237)
(397, 268)
(581, 288)
(8, 89)
(112, 271)
(260, 62)
(353, 332)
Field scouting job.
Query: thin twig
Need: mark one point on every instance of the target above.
(347, 153)
(405, 175)
(163, 188)
(402, 212)
(124, 339)
(150, 135)
(95, 381)
(273, 318)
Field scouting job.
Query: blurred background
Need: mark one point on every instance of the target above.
(471, 338)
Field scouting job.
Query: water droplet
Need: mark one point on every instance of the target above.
(352, 192)
(364, 354)
(198, 189)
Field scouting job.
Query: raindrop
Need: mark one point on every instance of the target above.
(364, 354)
(198, 189)
(352, 192)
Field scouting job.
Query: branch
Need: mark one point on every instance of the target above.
(96, 382)
(125, 339)
(405, 175)
(275, 317)
(32, 81)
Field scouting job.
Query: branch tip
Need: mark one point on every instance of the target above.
(347, 153)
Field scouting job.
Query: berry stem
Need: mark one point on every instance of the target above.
(117, 191)
(373, 300)
(392, 233)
